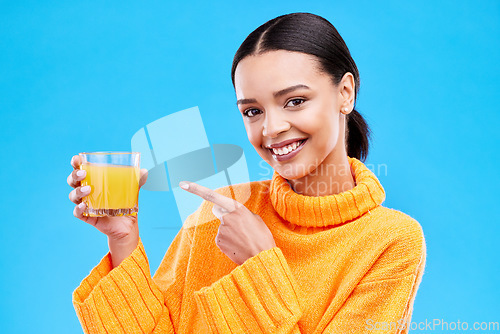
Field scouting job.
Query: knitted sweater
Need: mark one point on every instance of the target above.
(342, 264)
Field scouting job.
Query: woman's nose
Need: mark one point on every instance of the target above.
(274, 125)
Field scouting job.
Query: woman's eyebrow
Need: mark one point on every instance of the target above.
(276, 94)
(289, 89)
(245, 101)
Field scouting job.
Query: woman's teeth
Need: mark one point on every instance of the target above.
(287, 149)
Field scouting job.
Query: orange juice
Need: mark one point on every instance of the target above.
(114, 189)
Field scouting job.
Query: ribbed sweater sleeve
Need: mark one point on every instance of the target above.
(259, 296)
(126, 299)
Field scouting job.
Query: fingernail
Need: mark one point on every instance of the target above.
(85, 189)
(184, 185)
(80, 173)
(81, 205)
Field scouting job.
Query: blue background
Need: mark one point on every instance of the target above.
(85, 76)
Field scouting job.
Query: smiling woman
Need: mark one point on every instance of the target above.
(311, 251)
(294, 118)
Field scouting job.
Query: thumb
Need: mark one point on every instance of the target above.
(144, 177)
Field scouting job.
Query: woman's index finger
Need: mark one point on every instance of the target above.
(75, 161)
(226, 203)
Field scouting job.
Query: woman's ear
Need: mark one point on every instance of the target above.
(347, 88)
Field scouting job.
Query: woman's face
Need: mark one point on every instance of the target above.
(283, 96)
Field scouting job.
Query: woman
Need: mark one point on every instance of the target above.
(311, 251)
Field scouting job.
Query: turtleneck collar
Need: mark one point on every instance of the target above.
(321, 211)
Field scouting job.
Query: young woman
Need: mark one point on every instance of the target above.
(311, 251)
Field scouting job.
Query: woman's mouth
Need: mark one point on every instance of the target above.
(287, 152)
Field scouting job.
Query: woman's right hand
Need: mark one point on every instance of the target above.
(122, 232)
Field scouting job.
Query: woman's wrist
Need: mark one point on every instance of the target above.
(122, 248)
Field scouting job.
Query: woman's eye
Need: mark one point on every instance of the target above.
(295, 102)
(250, 111)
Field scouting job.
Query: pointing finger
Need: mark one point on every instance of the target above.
(219, 212)
(224, 202)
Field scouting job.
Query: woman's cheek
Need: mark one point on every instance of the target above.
(254, 138)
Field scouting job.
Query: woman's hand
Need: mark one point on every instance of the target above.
(242, 234)
(122, 232)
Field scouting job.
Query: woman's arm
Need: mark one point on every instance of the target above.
(121, 249)
(125, 298)
(259, 296)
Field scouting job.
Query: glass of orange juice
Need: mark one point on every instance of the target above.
(114, 181)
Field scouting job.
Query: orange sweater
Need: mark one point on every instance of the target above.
(342, 264)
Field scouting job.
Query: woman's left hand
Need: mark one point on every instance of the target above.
(242, 234)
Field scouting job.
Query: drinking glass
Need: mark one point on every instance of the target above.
(114, 181)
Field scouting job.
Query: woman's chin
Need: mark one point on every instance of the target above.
(291, 171)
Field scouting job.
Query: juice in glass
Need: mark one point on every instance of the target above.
(114, 188)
